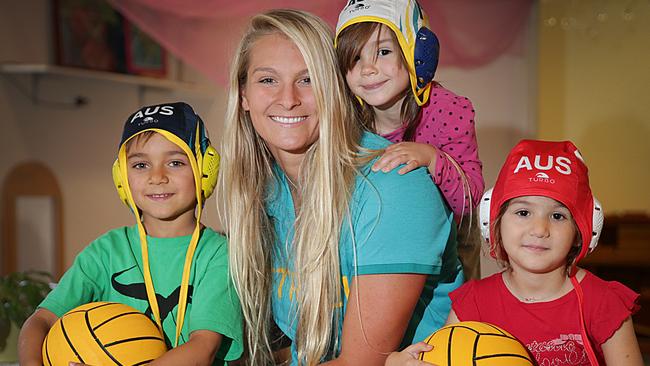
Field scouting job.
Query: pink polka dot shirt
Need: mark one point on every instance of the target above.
(447, 123)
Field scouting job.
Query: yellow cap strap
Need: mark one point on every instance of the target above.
(189, 255)
(148, 283)
(422, 94)
(187, 267)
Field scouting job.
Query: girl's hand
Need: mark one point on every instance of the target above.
(409, 356)
(413, 154)
(76, 364)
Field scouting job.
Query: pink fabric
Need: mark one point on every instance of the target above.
(447, 123)
(473, 33)
(550, 330)
(205, 33)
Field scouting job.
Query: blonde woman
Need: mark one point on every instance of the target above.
(349, 263)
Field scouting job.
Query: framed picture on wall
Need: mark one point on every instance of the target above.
(144, 56)
(88, 34)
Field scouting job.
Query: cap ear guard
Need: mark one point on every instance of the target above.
(425, 55)
(597, 225)
(484, 216)
(209, 174)
(119, 186)
(209, 171)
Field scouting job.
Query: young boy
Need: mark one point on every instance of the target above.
(168, 265)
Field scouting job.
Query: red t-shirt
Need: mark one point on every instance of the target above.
(550, 330)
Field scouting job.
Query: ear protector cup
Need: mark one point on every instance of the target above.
(484, 216)
(209, 171)
(119, 186)
(597, 225)
(209, 174)
(425, 54)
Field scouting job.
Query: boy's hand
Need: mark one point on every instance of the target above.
(409, 356)
(77, 364)
(413, 154)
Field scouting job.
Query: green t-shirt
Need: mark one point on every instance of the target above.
(110, 269)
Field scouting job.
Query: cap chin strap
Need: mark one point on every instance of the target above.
(591, 355)
(187, 267)
(421, 96)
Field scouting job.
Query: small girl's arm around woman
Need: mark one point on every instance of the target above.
(446, 145)
(458, 170)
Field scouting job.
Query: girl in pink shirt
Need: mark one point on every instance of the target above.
(389, 57)
(390, 71)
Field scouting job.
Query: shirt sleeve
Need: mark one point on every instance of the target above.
(402, 224)
(448, 121)
(215, 304)
(464, 302)
(618, 302)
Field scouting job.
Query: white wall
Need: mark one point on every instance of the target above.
(595, 91)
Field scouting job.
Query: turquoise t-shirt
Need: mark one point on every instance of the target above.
(109, 269)
(400, 225)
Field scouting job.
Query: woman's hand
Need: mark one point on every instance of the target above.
(409, 356)
(413, 154)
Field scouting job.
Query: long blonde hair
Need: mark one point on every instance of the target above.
(325, 183)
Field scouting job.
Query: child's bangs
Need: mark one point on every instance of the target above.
(139, 139)
(351, 41)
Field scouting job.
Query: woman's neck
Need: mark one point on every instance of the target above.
(389, 118)
(290, 165)
(537, 287)
(289, 162)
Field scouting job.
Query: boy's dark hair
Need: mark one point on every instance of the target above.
(140, 138)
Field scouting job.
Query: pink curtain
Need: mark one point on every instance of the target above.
(204, 33)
